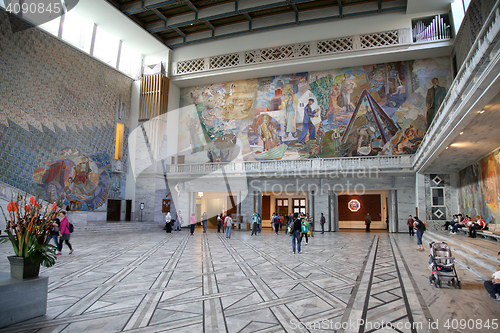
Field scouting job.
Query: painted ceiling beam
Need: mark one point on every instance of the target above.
(340, 8)
(144, 5)
(193, 7)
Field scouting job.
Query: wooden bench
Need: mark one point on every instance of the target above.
(492, 233)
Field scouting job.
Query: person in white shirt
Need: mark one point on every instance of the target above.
(228, 222)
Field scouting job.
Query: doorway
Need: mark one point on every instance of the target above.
(114, 209)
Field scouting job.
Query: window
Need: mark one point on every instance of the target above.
(52, 26)
(106, 47)
(438, 197)
(77, 31)
(130, 61)
(299, 205)
(119, 141)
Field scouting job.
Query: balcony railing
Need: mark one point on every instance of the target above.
(301, 50)
(344, 165)
(484, 53)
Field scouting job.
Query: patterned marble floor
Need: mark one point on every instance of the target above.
(158, 282)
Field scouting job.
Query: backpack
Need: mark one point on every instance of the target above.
(71, 227)
(290, 226)
(421, 225)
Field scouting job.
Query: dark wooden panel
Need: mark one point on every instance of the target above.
(165, 207)
(369, 203)
(266, 207)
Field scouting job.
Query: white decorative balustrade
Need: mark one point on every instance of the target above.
(300, 50)
(290, 167)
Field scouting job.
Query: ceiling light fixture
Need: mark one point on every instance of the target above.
(447, 147)
(482, 111)
(461, 133)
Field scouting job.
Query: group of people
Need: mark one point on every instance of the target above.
(60, 232)
(299, 228)
(173, 222)
(477, 223)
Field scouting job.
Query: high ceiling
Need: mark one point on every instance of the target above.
(182, 22)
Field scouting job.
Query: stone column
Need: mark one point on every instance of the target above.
(393, 211)
(334, 203)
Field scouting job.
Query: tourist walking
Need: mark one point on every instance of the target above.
(204, 221)
(219, 222)
(276, 222)
(260, 222)
(192, 222)
(168, 223)
(322, 222)
(228, 223)
(368, 221)
(420, 226)
(255, 224)
(304, 228)
(295, 232)
(311, 225)
(409, 223)
(178, 221)
(54, 233)
(65, 234)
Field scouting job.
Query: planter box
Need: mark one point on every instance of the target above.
(23, 268)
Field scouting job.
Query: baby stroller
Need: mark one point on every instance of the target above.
(442, 265)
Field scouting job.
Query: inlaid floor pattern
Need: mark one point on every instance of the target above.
(157, 282)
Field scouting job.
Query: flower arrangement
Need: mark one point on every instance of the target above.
(28, 229)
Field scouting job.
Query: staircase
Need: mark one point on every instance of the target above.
(477, 255)
(116, 227)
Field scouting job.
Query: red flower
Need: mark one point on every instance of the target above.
(54, 206)
(12, 207)
(27, 208)
(32, 200)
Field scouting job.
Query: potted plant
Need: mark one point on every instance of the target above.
(28, 226)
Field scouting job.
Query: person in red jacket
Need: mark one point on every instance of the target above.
(65, 234)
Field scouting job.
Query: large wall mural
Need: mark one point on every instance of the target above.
(54, 97)
(81, 182)
(381, 109)
(480, 189)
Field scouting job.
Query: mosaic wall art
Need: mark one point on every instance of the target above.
(79, 181)
(480, 189)
(369, 110)
(54, 97)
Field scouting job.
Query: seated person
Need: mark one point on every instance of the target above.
(493, 286)
(479, 224)
(450, 223)
(460, 225)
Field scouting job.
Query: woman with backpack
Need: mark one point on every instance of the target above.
(65, 233)
(295, 228)
(420, 226)
(305, 228)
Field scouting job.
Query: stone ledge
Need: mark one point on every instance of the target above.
(21, 300)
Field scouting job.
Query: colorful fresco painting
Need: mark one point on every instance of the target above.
(479, 188)
(381, 109)
(80, 181)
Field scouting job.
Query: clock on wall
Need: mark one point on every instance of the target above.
(354, 205)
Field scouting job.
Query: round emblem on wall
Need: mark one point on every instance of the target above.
(354, 205)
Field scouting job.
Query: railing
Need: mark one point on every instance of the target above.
(477, 60)
(342, 164)
(300, 50)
